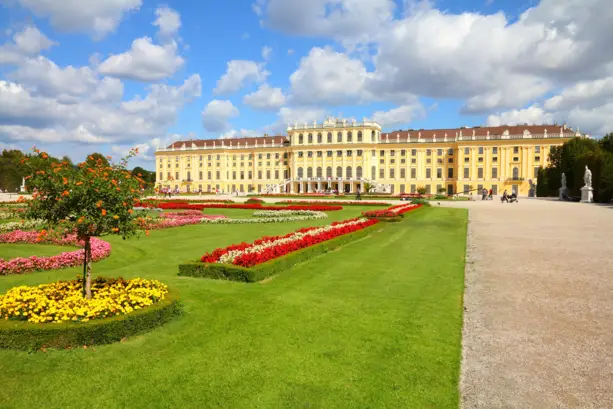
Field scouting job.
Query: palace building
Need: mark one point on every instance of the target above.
(351, 156)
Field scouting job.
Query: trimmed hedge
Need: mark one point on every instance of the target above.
(261, 271)
(32, 337)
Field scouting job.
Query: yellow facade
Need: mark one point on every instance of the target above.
(350, 156)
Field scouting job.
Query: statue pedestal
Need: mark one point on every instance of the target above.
(562, 193)
(587, 194)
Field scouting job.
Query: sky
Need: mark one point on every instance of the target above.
(107, 75)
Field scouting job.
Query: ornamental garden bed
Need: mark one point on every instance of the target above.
(20, 265)
(254, 200)
(57, 315)
(270, 255)
(333, 203)
(270, 216)
(187, 206)
(393, 214)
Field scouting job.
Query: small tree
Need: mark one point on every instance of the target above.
(94, 199)
(421, 190)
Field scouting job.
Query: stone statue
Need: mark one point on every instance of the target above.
(563, 182)
(587, 177)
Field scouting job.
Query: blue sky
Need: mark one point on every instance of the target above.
(73, 83)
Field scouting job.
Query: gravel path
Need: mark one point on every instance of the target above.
(538, 323)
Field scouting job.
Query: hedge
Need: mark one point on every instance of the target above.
(261, 271)
(28, 336)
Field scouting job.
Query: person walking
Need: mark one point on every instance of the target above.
(491, 194)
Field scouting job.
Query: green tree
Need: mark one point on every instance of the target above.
(94, 199)
(94, 158)
(542, 184)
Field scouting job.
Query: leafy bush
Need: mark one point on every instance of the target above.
(420, 201)
(31, 337)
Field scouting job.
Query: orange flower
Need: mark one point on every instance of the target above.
(130, 211)
(99, 203)
(65, 193)
(115, 229)
(65, 181)
(147, 232)
(44, 155)
(115, 217)
(109, 157)
(79, 183)
(125, 204)
(103, 212)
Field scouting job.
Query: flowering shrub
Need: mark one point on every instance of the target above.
(268, 248)
(63, 301)
(254, 200)
(149, 223)
(187, 206)
(337, 203)
(22, 225)
(392, 211)
(100, 249)
(277, 213)
(268, 219)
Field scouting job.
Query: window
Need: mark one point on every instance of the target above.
(515, 173)
(515, 159)
(466, 173)
(233, 174)
(319, 138)
(428, 189)
(403, 161)
(403, 173)
(450, 173)
(392, 161)
(537, 149)
(260, 155)
(494, 173)
(319, 172)
(339, 153)
(449, 160)
(413, 152)
(208, 175)
(217, 175)
(479, 188)
(382, 161)
(381, 173)
(381, 153)
(480, 150)
(373, 172)
(466, 189)
(439, 161)
(329, 137)
(300, 141)
(403, 152)
(392, 173)
(349, 137)
(495, 150)
(310, 138)
(349, 153)
(429, 160)
(494, 159)
(268, 156)
(413, 161)
(392, 153)
(413, 188)
(329, 172)
(284, 155)
(450, 151)
(494, 189)
(537, 158)
(309, 172)
(349, 173)
(428, 152)
(339, 172)
(300, 154)
(277, 155)
(176, 175)
(250, 175)
(329, 154)
(161, 176)
(242, 175)
(200, 175)
(466, 159)
(276, 174)
(359, 152)
(428, 173)
(439, 152)
(439, 173)
(480, 159)
(320, 154)
(413, 173)
(516, 149)
(402, 188)
(339, 137)
(372, 136)
(479, 173)
(300, 173)
(536, 173)
(359, 136)
(309, 154)
(358, 172)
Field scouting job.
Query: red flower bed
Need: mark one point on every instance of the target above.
(187, 206)
(392, 211)
(268, 248)
(336, 203)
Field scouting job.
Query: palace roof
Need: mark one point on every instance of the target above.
(260, 141)
(491, 131)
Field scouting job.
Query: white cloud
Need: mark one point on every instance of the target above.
(145, 61)
(26, 43)
(329, 77)
(291, 51)
(98, 17)
(239, 133)
(216, 115)
(240, 73)
(266, 52)
(531, 115)
(168, 22)
(400, 115)
(265, 98)
(290, 116)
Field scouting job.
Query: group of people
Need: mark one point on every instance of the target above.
(487, 195)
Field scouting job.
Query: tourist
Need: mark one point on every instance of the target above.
(491, 197)
(505, 197)
(484, 194)
(358, 197)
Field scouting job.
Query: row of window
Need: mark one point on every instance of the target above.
(240, 175)
(339, 137)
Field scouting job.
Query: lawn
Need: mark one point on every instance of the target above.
(375, 324)
(9, 251)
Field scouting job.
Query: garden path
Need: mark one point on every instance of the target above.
(538, 320)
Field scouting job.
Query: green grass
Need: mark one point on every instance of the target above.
(375, 324)
(10, 251)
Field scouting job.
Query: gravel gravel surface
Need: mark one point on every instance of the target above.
(538, 320)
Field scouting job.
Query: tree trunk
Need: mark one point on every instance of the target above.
(87, 269)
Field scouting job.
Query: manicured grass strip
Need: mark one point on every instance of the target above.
(261, 271)
(29, 336)
(9, 251)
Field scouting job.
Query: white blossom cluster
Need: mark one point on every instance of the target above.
(25, 225)
(271, 216)
(277, 213)
(229, 257)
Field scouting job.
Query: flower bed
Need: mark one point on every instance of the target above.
(24, 224)
(57, 316)
(63, 300)
(149, 223)
(393, 213)
(271, 216)
(254, 200)
(187, 206)
(267, 248)
(336, 203)
(302, 245)
(20, 265)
